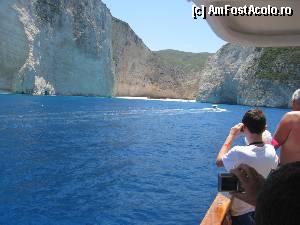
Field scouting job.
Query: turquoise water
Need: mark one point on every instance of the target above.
(80, 160)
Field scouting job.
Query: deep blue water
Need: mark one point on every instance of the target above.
(79, 160)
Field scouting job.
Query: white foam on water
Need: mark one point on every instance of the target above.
(169, 112)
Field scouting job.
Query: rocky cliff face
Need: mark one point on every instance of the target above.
(251, 76)
(140, 72)
(69, 47)
(77, 48)
(55, 47)
(130, 61)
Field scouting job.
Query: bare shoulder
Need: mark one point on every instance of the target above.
(294, 115)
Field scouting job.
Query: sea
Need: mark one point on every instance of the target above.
(90, 160)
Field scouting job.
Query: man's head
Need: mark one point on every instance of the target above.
(296, 100)
(279, 201)
(255, 121)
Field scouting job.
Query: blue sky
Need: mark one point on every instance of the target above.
(166, 24)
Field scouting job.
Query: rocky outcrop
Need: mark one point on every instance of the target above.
(131, 59)
(251, 76)
(140, 72)
(55, 47)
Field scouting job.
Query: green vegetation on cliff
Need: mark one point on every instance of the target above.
(271, 60)
(187, 61)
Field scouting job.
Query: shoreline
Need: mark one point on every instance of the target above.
(116, 97)
(142, 98)
(156, 99)
(6, 93)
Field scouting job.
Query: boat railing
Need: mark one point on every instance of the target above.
(217, 211)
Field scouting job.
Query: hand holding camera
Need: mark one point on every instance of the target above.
(243, 181)
(252, 182)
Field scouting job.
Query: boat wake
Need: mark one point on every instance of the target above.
(169, 112)
(214, 110)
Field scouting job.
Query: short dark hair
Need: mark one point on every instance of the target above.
(278, 202)
(255, 121)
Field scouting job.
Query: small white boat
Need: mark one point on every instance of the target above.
(215, 106)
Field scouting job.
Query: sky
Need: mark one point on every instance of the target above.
(166, 24)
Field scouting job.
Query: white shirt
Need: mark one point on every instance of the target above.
(263, 159)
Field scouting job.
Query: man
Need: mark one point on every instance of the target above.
(287, 135)
(276, 198)
(257, 154)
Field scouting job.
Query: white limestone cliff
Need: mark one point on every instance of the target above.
(251, 76)
(55, 47)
